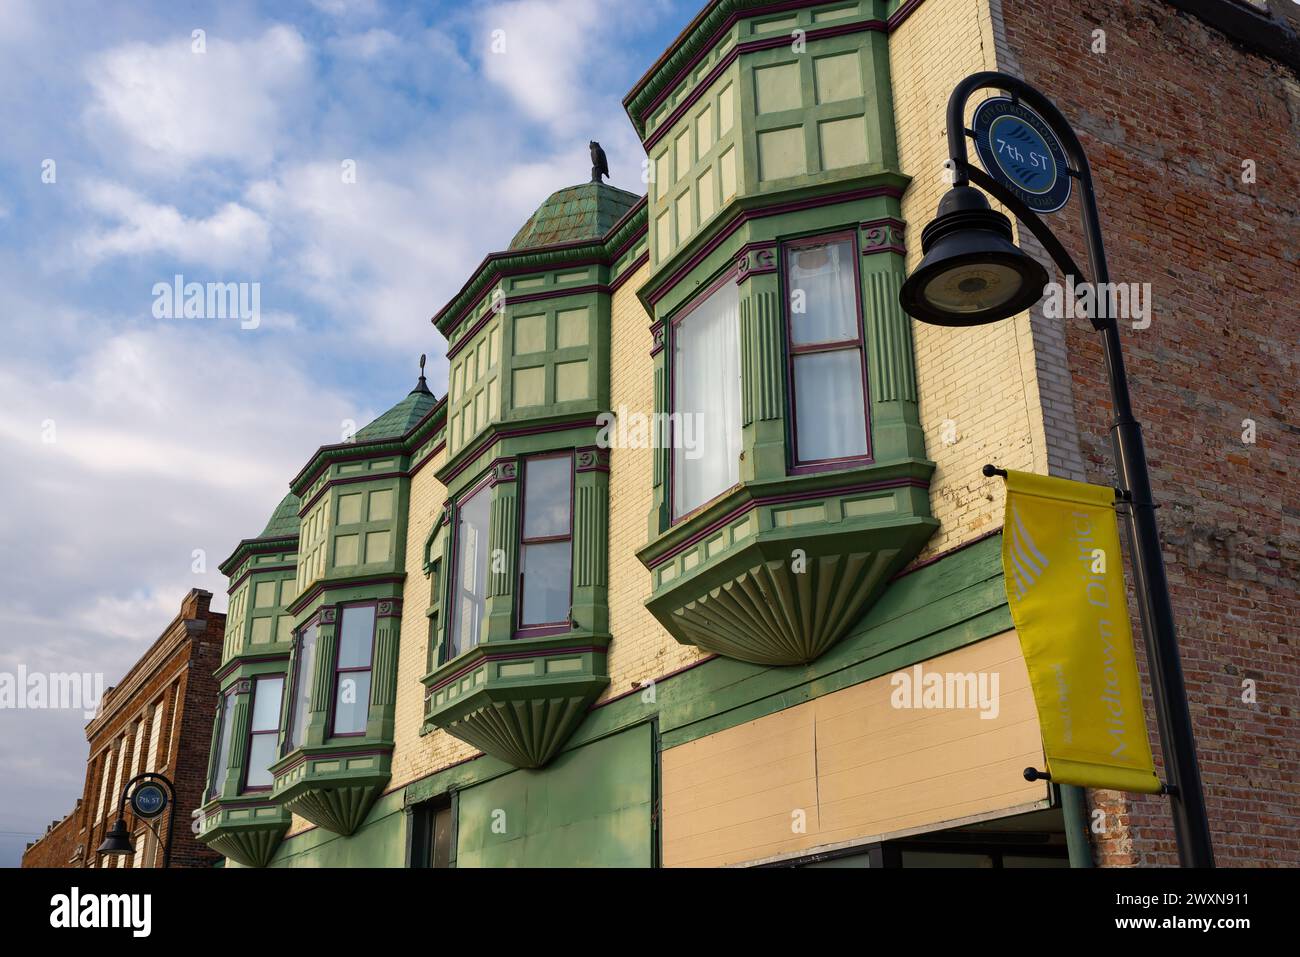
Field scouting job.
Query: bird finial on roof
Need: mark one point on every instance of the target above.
(599, 164)
(423, 384)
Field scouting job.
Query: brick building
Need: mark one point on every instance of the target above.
(157, 718)
(1191, 119)
(499, 627)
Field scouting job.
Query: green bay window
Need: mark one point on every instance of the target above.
(546, 545)
(263, 732)
(469, 587)
(705, 437)
(352, 671)
(827, 360)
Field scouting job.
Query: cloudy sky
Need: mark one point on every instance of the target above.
(128, 157)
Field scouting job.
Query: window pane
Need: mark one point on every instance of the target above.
(306, 670)
(441, 852)
(223, 748)
(830, 419)
(357, 634)
(261, 755)
(266, 704)
(823, 304)
(546, 497)
(470, 596)
(706, 400)
(546, 583)
(352, 702)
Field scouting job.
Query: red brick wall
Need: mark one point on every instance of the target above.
(55, 848)
(182, 678)
(1167, 115)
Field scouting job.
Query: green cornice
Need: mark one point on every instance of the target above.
(255, 546)
(698, 35)
(706, 30)
(901, 472)
(744, 217)
(498, 264)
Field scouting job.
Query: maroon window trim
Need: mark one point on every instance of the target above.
(244, 786)
(214, 786)
(290, 702)
(555, 627)
(729, 274)
(370, 665)
(797, 465)
(452, 584)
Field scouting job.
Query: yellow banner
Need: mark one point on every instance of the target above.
(1065, 584)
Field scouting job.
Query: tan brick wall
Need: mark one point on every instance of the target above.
(641, 648)
(978, 387)
(415, 756)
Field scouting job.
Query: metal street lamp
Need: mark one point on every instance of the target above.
(150, 794)
(972, 272)
(117, 840)
(972, 275)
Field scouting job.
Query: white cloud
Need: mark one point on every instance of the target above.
(174, 107)
(536, 51)
(373, 251)
(347, 8)
(233, 236)
(367, 45)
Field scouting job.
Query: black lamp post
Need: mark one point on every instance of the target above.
(971, 275)
(150, 794)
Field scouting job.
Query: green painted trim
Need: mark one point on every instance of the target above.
(405, 445)
(255, 546)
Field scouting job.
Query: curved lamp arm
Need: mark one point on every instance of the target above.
(964, 172)
(171, 811)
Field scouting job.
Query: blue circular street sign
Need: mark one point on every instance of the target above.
(148, 800)
(1018, 149)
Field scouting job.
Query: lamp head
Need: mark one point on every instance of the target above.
(117, 840)
(972, 273)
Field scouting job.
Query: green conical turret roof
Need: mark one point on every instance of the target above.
(284, 521)
(402, 417)
(577, 214)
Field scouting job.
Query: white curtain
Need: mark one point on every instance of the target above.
(824, 307)
(830, 408)
(706, 400)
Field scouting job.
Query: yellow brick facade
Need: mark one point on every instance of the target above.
(978, 387)
(414, 755)
(641, 650)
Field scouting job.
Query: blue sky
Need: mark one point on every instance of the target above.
(130, 441)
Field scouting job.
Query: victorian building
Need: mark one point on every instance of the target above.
(639, 588)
